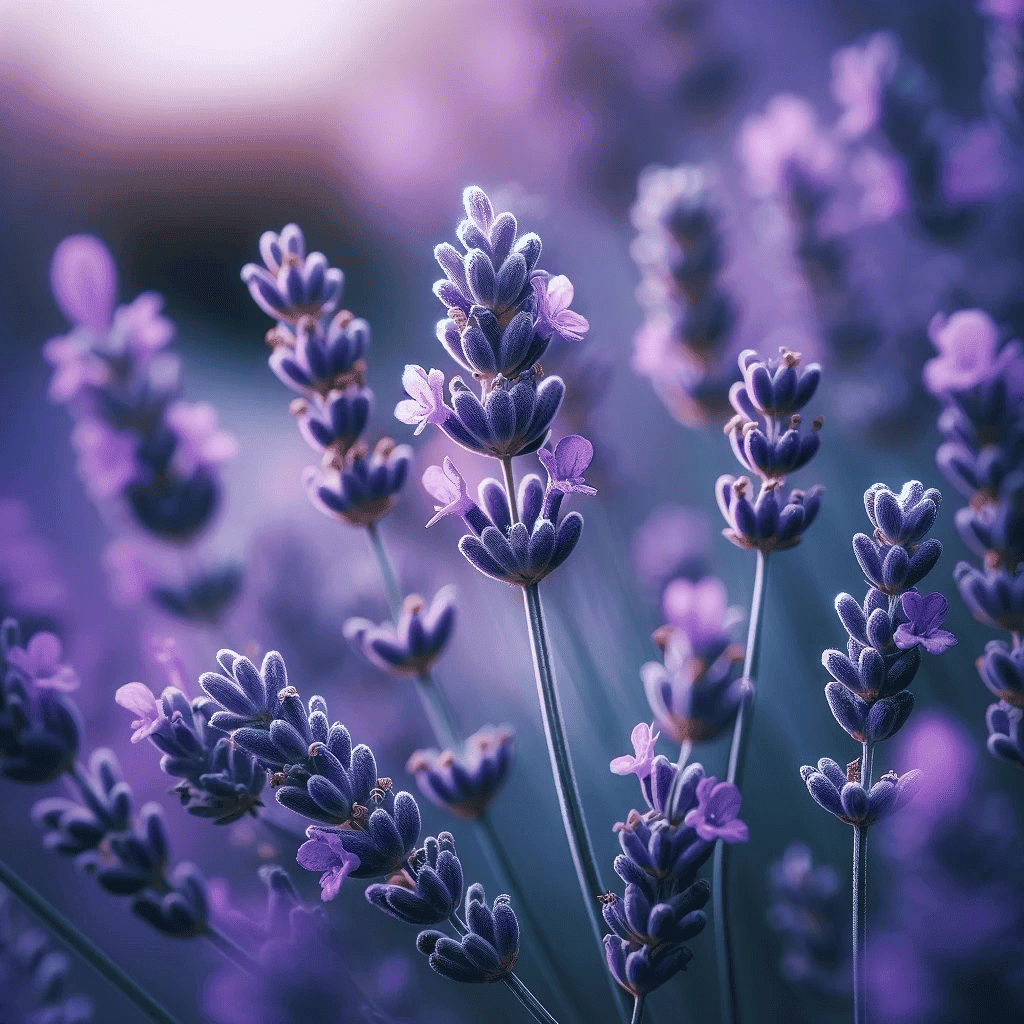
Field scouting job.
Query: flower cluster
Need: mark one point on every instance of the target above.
(219, 780)
(363, 828)
(662, 851)
(127, 854)
(683, 343)
(502, 314)
(523, 545)
(34, 975)
(982, 455)
(40, 728)
(411, 645)
(466, 782)
(695, 690)
(805, 912)
(320, 353)
(136, 439)
(868, 694)
(773, 391)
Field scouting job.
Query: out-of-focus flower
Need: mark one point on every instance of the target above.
(414, 643)
(967, 343)
(465, 783)
(786, 136)
(201, 442)
(40, 660)
(106, 457)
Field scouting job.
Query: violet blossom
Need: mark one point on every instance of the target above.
(967, 343)
(554, 296)
(715, 816)
(926, 614)
(643, 738)
(140, 700)
(324, 852)
(425, 403)
(40, 660)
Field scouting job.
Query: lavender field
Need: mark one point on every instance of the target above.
(512, 511)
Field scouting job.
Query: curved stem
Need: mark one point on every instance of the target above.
(387, 570)
(232, 951)
(728, 987)
(84, 947)
(638, 1009)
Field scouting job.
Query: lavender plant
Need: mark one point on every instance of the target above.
(144, 454)
(127, 853)
(805, 911)
(503, 312)
(683, 344)
(772, 392)
(868, 695)
(662, 851)
(318, 773)
(982, 455)
(321, 355)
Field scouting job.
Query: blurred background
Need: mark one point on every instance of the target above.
(179, 132)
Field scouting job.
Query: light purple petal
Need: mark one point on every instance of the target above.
(84, 279)
(734, 831)
(573, 454)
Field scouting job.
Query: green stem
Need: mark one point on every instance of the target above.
(439, 712)
(232, 951)
(638, 1009)
(84, 947)
(387, 571)
(728, 985)
(582, 850)
(860, 898)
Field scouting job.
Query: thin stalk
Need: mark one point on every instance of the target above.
(387, 571)
(514, 983)
(232, 951)
(439, 712)
(860, 899)
(441, 717)
(677, 783)
(580, 846)
(727, 981)
(84, 947)
(638, 1009)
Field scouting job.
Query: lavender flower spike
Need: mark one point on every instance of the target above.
(517, 553)
(488, 953)
(413, 644)
(840, 792)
